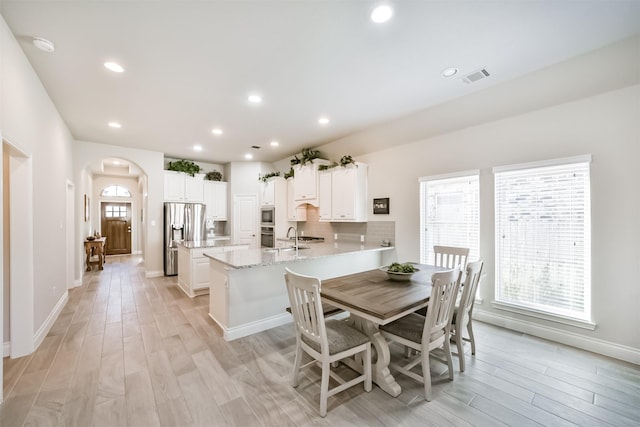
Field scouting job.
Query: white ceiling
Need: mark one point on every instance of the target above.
(191, 64)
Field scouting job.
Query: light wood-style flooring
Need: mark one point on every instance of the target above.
(130, 351)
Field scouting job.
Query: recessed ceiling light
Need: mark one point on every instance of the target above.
(115, 125)
(323, 120)
(217, 131)
(449, 72)
(116, 162)
(197, 147)
(274, 143)
(248, 156)
(116, 68)
(255, 99)
(381, 13)
(44, 44)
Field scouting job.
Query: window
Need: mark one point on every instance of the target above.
(115, 191)
(115, 211)
(449, 213)
(543, 240)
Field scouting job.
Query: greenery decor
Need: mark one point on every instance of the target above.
(345, 160)
(329, 166)
(264, 178)
(308, 155)
(289, 174)
(186, 166)
(213, 176)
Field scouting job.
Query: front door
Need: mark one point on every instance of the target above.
(116, 227)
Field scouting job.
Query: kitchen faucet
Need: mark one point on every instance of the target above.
(295, 233)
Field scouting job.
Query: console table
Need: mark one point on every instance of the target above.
(95, 252)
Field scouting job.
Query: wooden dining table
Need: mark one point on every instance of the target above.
(373, 299)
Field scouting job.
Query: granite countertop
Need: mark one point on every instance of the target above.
(209, 243)
(267, 256)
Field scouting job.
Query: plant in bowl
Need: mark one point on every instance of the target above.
(186, 166)
(400, 272)
(213, 176)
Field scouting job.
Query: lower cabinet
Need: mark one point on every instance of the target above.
(193, 268)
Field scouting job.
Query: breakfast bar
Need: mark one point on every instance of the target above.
(247, 292)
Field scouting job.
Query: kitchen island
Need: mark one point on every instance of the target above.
(193, 266)
(247, 292)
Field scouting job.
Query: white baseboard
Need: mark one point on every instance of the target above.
(138, 252)
(51, 319)
(595, 345)
(153, 273)
(6, 349)
(247, 329)
(76, 283)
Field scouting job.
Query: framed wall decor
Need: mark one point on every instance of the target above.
(381, 206)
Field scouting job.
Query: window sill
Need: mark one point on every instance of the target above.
(584, 324)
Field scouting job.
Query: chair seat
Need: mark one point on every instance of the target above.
(410, 327)
(340, 337)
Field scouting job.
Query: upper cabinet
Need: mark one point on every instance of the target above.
(294, 213)
(343, 194)
(180, 187)
(215, 197)
(306, 182)
(269, 192)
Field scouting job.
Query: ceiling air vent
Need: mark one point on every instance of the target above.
(475, 76)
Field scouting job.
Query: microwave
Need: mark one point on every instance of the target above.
(267, 216)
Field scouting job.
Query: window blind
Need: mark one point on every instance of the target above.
(449, 214)
(543, 242)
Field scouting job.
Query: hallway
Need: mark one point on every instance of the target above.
(130, 351)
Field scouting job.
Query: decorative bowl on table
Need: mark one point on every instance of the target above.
(90, 238)
(400, 272)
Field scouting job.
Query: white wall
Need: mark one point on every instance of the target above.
(151, 163)
(606, 126)
(31, 123)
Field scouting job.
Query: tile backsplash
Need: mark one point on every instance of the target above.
(374, 232)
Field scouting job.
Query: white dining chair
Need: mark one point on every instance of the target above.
(326, 341)
(462, 313)
(450, 256)
(424, 334)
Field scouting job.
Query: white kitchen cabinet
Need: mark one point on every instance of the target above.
(193, 268)
(215, 197)
(269, 192)
(306, 182)
(180, 187)
(345, 198)
(324, 190)
(294, 213)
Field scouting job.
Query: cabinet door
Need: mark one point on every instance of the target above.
(269, 193)
(293, 213)
(344, 197)
(306, 184)
(215, 196)
(325, 197)
(194, 188)
(200, 273)
(173, 186)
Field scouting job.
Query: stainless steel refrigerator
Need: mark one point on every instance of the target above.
(182, 221)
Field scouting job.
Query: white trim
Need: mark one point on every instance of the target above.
(6, 349)
(77, 283)
(153, 273)
(471, 172)
(558, 318)
(138, 252)
(251, 328)
(51, 319)
(585, 158)
(607, 348)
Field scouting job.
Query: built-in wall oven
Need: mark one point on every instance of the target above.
(268, 216)
(267, 239)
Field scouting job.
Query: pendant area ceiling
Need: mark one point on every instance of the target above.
(191, 65)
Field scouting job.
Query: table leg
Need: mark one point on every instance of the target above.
(380, 356)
